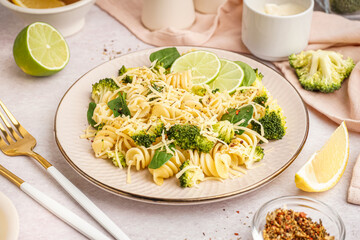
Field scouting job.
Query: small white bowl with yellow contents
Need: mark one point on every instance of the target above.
(68, 19)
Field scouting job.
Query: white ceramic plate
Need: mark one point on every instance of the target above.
(9, 220)
(70, 121)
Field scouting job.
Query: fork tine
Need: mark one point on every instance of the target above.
(13, 121)
(6, 135)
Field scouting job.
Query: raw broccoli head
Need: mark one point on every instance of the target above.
(273, 123)
(319, 70)
(259, 153)
(101, 87)
(225, 130)
(345, 6)
(118, 160)
(198, 90)
(188, 137)
(262, 99)
(192, 175)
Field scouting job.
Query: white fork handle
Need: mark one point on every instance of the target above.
(88, 205)
(63, 213)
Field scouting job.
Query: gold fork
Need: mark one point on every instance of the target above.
(20, 142)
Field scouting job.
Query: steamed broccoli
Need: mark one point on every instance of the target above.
(118, 158)
(259, 75)
(188, 137)
(320, 70)
(225, 129)
(273, 123)
(258, 154)
(198, 90)
(345, 6)
(192, 175)
(147, 137)
(122, 70)
(101, 87)
(262, 99)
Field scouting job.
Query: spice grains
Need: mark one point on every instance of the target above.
(286, 224)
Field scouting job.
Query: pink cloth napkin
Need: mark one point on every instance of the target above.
(223, 30)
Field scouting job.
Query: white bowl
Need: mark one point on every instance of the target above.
(9, 219)
(68, 19)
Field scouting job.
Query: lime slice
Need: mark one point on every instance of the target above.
(204, 66)
(230, 77)
(40, 50)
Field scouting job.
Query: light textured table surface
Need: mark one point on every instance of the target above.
(34, 101)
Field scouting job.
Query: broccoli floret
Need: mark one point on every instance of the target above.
(118, 158)
(203, 144)
(101, 87)
(122, 70)
(225, 130)
(259, 75)
(143, 139)
(320, 70)
(261, 100)
(273, 123)
(215, 91)
(127, 79)
(147, 137)
(188, 137)
(198, 90)
(345, 6)
(192, 175)
(258, 154)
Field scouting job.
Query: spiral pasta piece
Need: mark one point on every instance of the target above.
(138, 105)
(104, 140)
(140, 157)
(169, 169)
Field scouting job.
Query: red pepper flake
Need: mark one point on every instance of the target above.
(237, 211)
(237, 112)
(236, 234)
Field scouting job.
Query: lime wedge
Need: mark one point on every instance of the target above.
(230, 77)
(204, 66)
(40, 50)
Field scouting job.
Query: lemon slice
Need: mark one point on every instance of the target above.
(204, 66)
(40, 50)
(230, 77)
(325, 167)
(39, 3)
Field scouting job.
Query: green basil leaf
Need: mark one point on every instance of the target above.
(159, 159)
(90, 113)
(249, 74)
(119, 106)
(236, 115)
(165, 56)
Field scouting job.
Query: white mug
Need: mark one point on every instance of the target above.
(157, 14)
(271, 37)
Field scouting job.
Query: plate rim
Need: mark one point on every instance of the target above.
(177, 201)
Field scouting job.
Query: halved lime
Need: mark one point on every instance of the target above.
(40, 50)
(204, 66)
(230, 77)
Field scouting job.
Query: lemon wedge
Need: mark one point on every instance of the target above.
(39, 3)
(325, 167)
